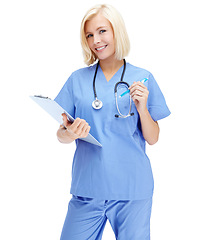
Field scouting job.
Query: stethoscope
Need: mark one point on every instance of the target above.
(97, 104)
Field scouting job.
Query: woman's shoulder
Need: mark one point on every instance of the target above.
(136, 69)
(80, 75)
(84, 71)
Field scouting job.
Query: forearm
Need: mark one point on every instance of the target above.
(150, 128)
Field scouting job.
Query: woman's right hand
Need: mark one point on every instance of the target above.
(72, 131)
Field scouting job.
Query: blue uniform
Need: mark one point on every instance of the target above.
(86, 219)
(120, 169)
(113, 181)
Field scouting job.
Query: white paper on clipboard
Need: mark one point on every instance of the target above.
(55, 110)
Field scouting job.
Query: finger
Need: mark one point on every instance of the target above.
(136, 89)
(63, 116)
(137, 93)
(140, 96)
(136, 98)
(141, 84)
(77, 128)
(135, 84)
(85, 127)
(75, 124)
(141, 89)
(80, 128)
(65, 120)
(85, 131)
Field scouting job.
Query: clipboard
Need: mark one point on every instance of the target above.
(55, 110)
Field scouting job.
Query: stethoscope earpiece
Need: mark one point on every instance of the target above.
(125, 116)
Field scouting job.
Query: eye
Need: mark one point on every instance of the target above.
(89, 35)
(102, 31)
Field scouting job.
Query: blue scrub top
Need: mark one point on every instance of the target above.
(120, 169)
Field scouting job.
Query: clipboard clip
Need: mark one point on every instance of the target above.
(40, 96)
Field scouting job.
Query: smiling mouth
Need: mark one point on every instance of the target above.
(100, 48)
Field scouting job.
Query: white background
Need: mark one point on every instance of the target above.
(39, 49)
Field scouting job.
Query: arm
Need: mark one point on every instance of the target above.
(150, 128)
(72, 131)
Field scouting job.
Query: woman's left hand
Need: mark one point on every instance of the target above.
(139, 94)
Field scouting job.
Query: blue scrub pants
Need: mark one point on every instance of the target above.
(86, 219)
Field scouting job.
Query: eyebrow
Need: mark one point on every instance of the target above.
(96, 29)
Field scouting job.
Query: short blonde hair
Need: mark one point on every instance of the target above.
(122, 44)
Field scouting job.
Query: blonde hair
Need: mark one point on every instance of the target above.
(122, 44)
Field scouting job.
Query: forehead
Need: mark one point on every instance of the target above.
(96, 22)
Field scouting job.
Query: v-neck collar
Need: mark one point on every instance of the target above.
(114, 76)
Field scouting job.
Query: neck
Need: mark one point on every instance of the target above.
(109, 66)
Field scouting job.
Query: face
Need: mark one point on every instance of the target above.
(100, 37)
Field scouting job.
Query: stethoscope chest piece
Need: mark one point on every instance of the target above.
(97, 104)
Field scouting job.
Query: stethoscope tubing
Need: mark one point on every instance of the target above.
(115, 88)
(97, 104)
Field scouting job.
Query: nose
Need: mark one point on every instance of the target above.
(96, 39)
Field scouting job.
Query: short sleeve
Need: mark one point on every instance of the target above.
(157, 106)
(65, 97)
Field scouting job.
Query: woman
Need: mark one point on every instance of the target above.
(114, 181)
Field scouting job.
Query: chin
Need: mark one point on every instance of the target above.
(106, 57)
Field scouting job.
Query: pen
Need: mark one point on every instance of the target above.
(142, 81)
